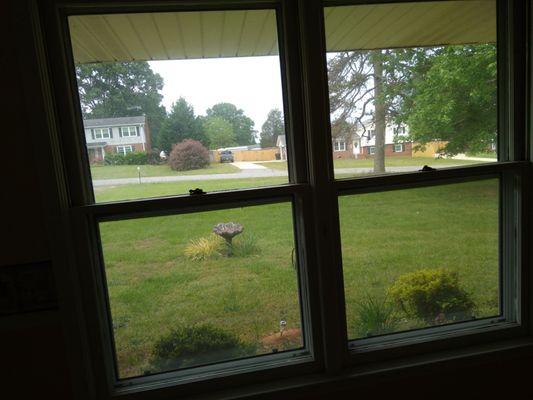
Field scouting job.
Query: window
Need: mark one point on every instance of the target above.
(124, 149)
(126, 131)
(102, 133)
(339, 145)
(398, 148)
(229, 272)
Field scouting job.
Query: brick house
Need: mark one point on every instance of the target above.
(361, 144)
(120, 135)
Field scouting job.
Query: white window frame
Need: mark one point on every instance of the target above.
(311, 183)
(128, 131)
(339, 145)
(372, 150)
(125, 149)
(102, 133)
(397, 146)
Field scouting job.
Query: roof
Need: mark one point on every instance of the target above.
(280, 141)
(119, 121)
(240, 33)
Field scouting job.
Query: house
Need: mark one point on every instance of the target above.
(120, 135)
(362, 143)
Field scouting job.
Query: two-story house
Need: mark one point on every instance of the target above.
(120, 135)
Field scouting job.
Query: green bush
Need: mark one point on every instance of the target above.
(433, 295)
(244, 245)
(197, 345)
(133, 158)
(188, 154)
(375, 318)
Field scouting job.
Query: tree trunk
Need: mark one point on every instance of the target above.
(379, 112)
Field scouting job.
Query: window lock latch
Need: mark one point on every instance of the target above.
(196, 191)
(427, 168)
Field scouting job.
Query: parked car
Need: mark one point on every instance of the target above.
(226, 156)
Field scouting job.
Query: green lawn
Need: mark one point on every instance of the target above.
(153, 287)
(389, 162)
(130, 171)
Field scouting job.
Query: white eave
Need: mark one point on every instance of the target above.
(214, 34)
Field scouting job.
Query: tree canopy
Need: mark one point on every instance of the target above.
(243, 127)
(181, 124)
(121, 89)
(219, 132)
(272, 127)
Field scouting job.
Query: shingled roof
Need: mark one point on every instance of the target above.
(119, 121)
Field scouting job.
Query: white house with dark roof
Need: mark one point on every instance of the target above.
(120, 135)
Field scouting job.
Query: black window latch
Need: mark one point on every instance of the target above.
(427, 168)
(196, 191)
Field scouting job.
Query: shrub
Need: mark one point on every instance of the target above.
(433, 295)
(197, 345)
(188, 154)
(133, 158)
(204, 248)
(375, 318)
(244, 245)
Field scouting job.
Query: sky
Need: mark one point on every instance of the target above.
(251, 83)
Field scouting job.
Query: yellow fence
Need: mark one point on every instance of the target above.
(428, 149)
(249, 155)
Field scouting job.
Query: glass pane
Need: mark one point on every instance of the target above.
(412, 84)
(185, 290)
(418, 258)
(175, 101)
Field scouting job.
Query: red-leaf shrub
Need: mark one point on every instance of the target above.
(187, 155)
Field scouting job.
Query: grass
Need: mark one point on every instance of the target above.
(389, 162)
(130, 171)
(489, 154)
(154, 287)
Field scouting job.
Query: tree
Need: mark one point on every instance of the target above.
(219, 132)
(121, 89)
(457, 100)
(243, 127)
(272, 128)
(181, 124)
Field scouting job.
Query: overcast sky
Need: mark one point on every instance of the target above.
(251, 83)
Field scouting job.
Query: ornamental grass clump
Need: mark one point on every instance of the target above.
(197, 345)
(204, 248)
(375, 317)
(433, 295)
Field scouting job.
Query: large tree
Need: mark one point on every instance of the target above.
(272, 128)
(219, 132)
(181, 124)
(457, 100)
(243, 127)
(121, 89)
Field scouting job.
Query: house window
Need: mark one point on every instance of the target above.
(124, 149)
(126, 131)
(398, 148)
(400, 130)
(102, 133)
(339, 145)
(240, 277)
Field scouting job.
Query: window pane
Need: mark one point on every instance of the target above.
(181, 295)
(418, 258)
(160, 80)
(412, 84)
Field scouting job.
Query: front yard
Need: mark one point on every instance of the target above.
(154, 287)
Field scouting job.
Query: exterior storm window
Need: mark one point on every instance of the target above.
(398, 148)
(339, 145)
(124, 150)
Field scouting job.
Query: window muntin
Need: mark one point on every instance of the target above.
(222, 80)
(127, 131)
(102, 133)
(339, 145)
(423, 257)
(395, 85)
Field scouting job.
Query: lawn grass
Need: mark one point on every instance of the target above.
(389, 162)
(130, 171)
(153, 287)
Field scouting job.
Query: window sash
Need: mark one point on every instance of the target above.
(102, 133)
(128, 131)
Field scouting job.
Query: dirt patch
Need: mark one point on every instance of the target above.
(288, 339)
(148, 243)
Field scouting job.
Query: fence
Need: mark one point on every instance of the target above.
(248, 155)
